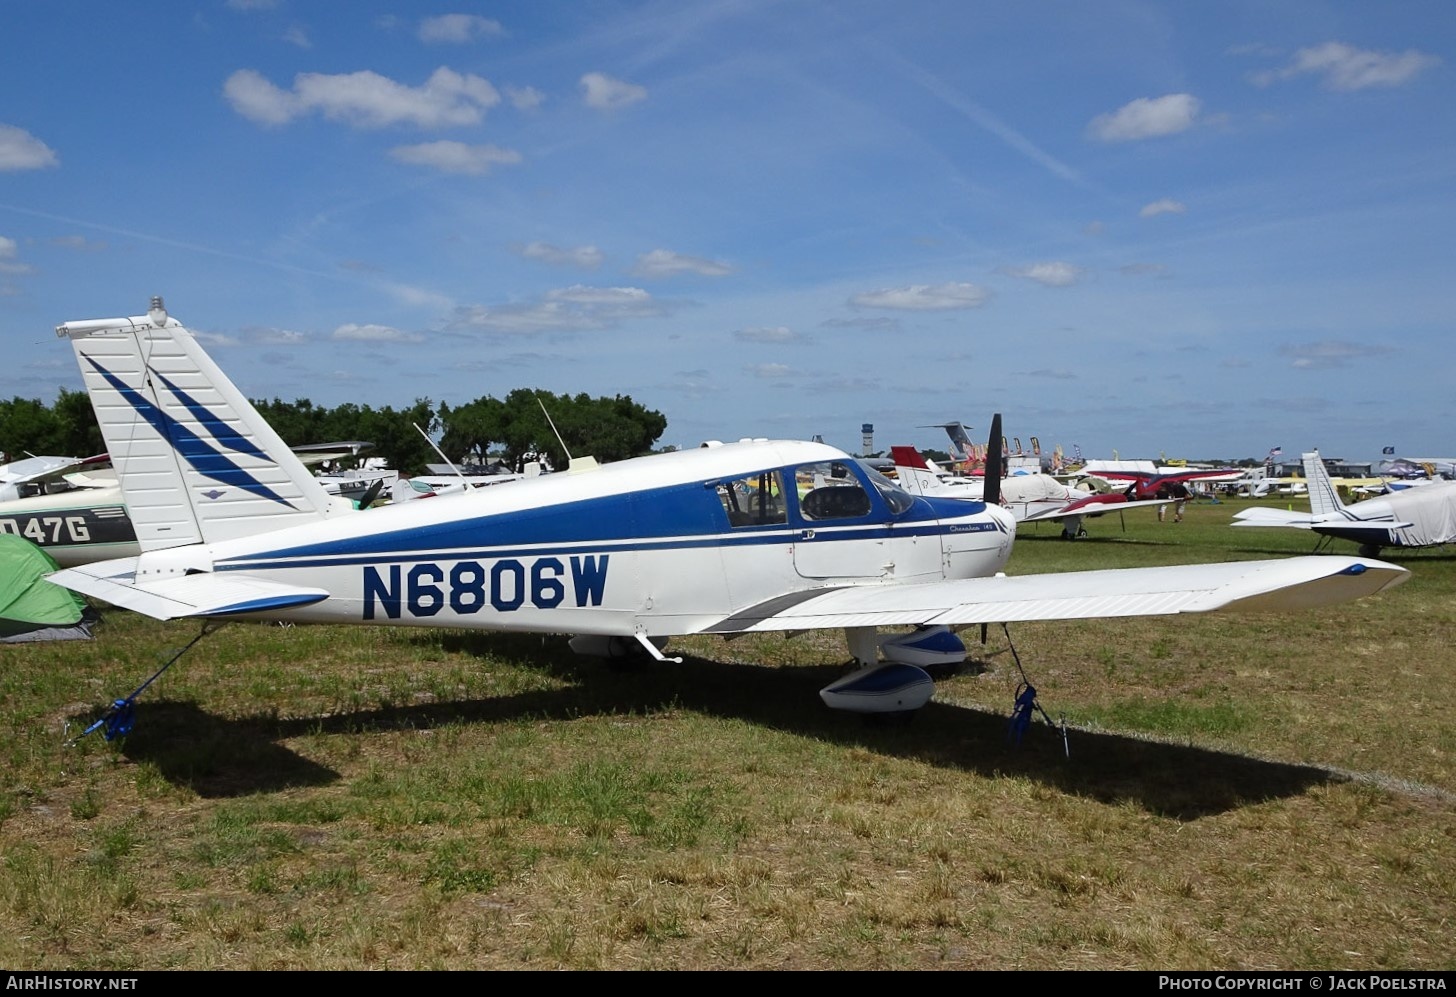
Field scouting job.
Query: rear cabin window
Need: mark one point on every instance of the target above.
(757, 500)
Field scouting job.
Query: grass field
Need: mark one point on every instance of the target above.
(1233, 793)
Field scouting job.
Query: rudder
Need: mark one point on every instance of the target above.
(1323, 498)
(197, 463)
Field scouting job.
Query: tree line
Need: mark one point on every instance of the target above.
(512, 430)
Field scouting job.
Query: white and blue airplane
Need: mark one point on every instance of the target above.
(1414, 517)
(726, 539)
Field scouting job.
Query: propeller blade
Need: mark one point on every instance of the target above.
(991, 489)
(373, 493)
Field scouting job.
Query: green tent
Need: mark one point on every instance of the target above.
(32, 608)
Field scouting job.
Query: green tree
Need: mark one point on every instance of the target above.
(519, 428)
(296, 423)
(27, 426)
(471, 430)
(79, 432)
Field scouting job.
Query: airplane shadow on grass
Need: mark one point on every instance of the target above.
(219, 757)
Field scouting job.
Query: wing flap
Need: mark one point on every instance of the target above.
(1239, 586)
(200, 594)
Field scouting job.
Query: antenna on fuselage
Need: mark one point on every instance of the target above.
(569, 458)
(458, 473)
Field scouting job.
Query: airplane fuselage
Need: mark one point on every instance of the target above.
(651, 546)
(74, 527)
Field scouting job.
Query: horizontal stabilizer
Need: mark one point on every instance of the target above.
(1261, 516)
(1236, 586)
(1333, 525)
(201, 594)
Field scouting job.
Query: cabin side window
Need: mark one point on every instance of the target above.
(829, 490)
(757, 500)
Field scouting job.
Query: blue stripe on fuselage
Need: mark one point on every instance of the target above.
(678, 517)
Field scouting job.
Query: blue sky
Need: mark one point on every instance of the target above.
(1195, 229)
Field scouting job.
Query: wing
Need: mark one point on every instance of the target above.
(1092, 507)
(1280, 585)
(200, 594)
(316, 453)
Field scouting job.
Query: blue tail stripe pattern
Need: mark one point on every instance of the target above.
(217, 426)
(198, 453)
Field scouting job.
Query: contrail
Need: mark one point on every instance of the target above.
(173, 243)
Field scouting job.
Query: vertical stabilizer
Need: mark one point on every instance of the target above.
(1323, 498)
(960, 442)
(196, 462)
(914, 472)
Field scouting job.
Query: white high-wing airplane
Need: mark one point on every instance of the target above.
(32, 476)
(1032, 498)
(1415, 517)
(69, 506)
(727, 539)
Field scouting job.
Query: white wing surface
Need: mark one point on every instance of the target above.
(1281, 585)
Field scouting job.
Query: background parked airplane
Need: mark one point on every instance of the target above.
(1146, 480)
(1416, 517)
(743, 537)
(74, 509)
(35, 475)
(1032, 498)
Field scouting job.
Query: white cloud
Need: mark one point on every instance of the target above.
(1166, 206)
(20, 150)
(571, 309)
(768, 370)
(1054, 273)
(1328, 353)
(605, 93)
(364, 99)
(867, 323)
(297, 36)
(665, 263)
(458, 28)
(276, 337)
(214, 339)
(924, 297)
(374, 334)
(768, 334)
(76, 243)
(616, 297)
(455, 157)
(256, 99)
(586, 257)
(1142, 269)
(1344, 67)
(525, 98)
(9, 258)
(1146, 117)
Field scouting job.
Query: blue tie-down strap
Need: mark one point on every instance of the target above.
(1021, 715)
(120, 719)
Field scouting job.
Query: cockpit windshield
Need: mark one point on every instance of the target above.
(897, 498)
